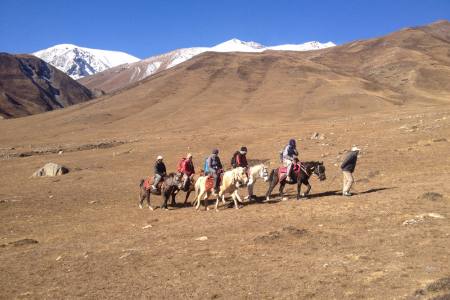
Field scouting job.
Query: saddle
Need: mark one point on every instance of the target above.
(282, 171)
(209, 185)
(148, 182)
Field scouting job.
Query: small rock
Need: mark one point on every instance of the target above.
(58, 258)
(124, 255)
(92, 202)
(51, 169)
(60, 152)
(436, 216)
(147, 226)
(202, 238)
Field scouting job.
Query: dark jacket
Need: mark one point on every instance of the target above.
(349, 162)
(241, 160)
(289, 152)
(214, 163)
(160, 168)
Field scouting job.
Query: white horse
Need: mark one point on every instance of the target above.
(231, 181)
(255, 172)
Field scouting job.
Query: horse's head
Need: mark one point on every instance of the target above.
(176, 179)
(264, 173)
(319, 170)
(240, 176)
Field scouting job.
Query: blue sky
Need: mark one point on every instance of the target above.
(145, 28)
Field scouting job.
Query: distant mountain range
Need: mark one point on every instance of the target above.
(79, 62)
(124, 75)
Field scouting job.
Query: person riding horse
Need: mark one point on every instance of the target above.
(289, 153)
(188, 171)
(215, 168)
(160, 172)
(240, 158)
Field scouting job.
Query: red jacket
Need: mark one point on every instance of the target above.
(241, 160)
(188, 167)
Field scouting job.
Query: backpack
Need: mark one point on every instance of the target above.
(180, 165)
(233, 159)
(206, 167)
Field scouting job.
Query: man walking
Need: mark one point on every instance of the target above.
(348, 167)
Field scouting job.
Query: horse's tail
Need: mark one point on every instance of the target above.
(141, 183)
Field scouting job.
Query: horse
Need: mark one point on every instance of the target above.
(170, 185)
(255, 172)
(231, 180)
(306, 170)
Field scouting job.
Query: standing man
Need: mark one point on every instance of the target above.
(159, 170)
(215, 168)
(289, 153)
(187, 168)
(348, 167)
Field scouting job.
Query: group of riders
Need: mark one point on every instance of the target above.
(214, 168)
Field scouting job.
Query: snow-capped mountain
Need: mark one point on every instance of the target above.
(121, 76)
(78, 62)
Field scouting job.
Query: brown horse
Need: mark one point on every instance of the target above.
(170, 186)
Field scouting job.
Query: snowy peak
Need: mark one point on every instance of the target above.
(314, 45)
(78, 62)
(235, 45)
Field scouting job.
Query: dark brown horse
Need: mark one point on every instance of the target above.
(306, 170)
(170, 186)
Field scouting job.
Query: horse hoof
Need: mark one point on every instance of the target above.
(140, 206)
(151, 208)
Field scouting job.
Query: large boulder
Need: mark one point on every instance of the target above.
(51, 169)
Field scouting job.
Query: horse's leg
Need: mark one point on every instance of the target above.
(236, 197)
(174, 194)
(299, 188)
(272, 185)
(199, 199)
(166, 195)
(187, 196)
(308, 188)
(147, 195)
(217, 203)
(282, 184)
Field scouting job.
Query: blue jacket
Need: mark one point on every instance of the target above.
(214, 162)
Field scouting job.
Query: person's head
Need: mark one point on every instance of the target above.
(296, 159)
(189, 156)
(292, 143)
(243, 150)
(355, 149)
(159, 158)
(215, 151)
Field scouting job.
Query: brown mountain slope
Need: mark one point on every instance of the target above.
(28, 85)
(241, 90)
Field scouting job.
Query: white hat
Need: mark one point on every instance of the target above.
(355, 148)
(159, 157)
(188, 155)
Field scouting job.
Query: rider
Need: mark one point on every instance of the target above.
(215, 168)
(241, 158)
(187, 168)
(289, 153)
(159, 170)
